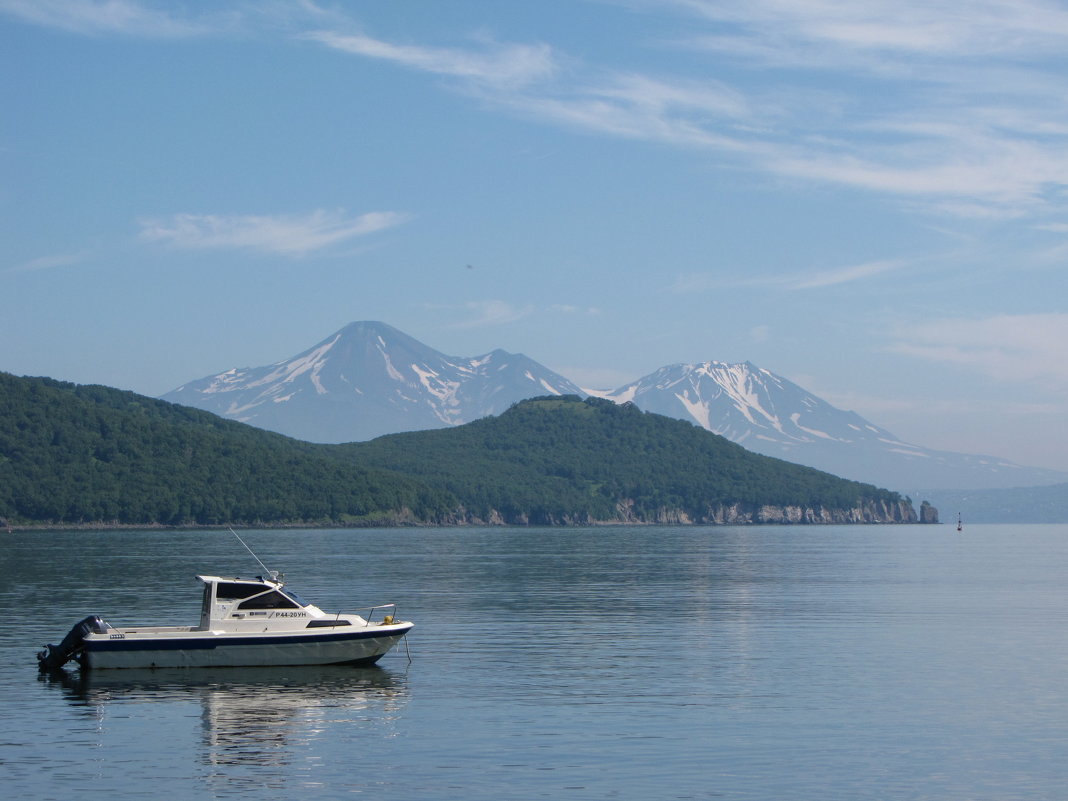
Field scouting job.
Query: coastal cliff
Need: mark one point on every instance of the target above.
(736, 514)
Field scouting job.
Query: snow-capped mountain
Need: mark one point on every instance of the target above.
(745, 404)
(370, 379)
(770, 415)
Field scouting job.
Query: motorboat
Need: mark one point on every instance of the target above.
(243, 622)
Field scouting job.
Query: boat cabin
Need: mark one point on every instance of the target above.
(235, 599)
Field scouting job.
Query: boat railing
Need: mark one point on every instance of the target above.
(372, 609)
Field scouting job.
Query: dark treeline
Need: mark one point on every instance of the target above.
(74, 454)
(565, 459)
(81, 454)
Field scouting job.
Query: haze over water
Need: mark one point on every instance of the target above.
(862, 662)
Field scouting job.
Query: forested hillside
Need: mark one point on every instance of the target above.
(93, 455)
(564, 460)
(81, 454)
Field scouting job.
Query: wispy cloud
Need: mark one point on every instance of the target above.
(47, 262)
(585, 311)
(956, 106)
(760, 333)
(528, 79)
(491, 64)
(957, 102)
(1026, 347)
(125, 17)
(941, 28)
(689, 113)
(492, 312)
(845, 275)
(959, 106)
(485, 313)
(705, 282)
(291, 235)
(1057, 228)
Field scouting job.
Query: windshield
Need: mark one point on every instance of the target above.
(297, 598)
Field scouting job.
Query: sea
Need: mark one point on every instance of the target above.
(806, 663)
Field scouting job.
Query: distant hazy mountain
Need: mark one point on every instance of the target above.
(370, 379)
(770, 415)
(1045, 504)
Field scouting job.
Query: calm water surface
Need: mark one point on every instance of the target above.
(620, 663)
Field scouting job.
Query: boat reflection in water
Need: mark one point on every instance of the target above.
(260, 717)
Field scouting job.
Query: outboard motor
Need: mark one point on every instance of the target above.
(54, 657)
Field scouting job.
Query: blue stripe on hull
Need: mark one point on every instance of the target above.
(361, 647)
(223, 640)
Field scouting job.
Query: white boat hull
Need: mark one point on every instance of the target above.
(193, 648)
(243, 623)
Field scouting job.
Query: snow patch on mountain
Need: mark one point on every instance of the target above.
(698, 410)
(795, 418)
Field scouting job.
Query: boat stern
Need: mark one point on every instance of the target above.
(53, 657)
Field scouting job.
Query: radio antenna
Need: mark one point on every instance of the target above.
(272, 573)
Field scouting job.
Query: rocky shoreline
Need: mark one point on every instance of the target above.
(738, 514)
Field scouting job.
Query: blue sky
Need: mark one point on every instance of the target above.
(870, 198)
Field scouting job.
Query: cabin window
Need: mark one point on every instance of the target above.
(269, 600)
(228, 591)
